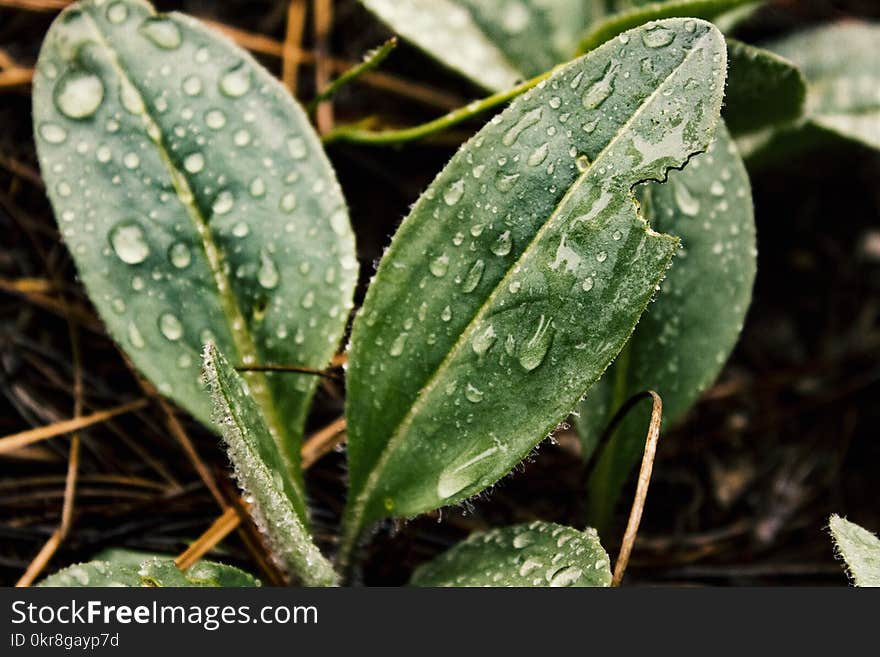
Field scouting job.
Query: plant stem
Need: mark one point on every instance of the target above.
(371, 60)
(356, 133)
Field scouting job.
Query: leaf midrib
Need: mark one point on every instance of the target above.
(398, 433)
(242, 338)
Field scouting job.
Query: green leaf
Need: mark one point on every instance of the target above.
(686, 335)
(448, 32)
(277, 506)
(537, 554)
(762, 89)
(152, 572)
(520, 272)
(618, 23)
(859, 549)
(196, 201)
(843, 73)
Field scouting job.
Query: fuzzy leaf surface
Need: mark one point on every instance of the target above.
(521, 271)
(762, 89)
(859, 549)
(196, 201)
(537, 554)
(277, 507)
(685, 337)
(842, 70)
(152, 572)
(842, 76)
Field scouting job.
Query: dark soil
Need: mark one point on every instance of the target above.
(742, 488)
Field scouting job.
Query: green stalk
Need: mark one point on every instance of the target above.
(357, 134)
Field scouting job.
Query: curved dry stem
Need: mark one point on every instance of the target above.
(647, 467)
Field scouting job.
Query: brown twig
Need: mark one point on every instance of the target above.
(23, 438)
(294, 369)
(291, 50)
(321, 442)
(16, 77)
(322, 16)
(35, 5)
(218, 530)
(638, 506)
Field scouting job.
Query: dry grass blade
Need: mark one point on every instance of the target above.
(35, 5)
(16, 77)
(291, 51)
(647, 467)
(323, 21)
(321, 442)
(18, 440)
(218, 530)
(41, 560)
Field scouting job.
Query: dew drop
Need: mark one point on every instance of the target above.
(472, 279)
(439, 266)
(131, 160)
(602, 256)
(538, 155)
(657, 37)
(179, 255)
(525, 122)
(528, 567)
(103, 154)
(716, 188)
(194, 162)
(257, 187)
(287, 203)
(296, 146)
(131, 101)
(566, 576)
(267, 275)
(502, 245)
(587, 285)
(473, 394)
(117, 13)
(127, 240)
(483, 340)
(453, 193)
(398, 345)
(308, 300)
(598, 92)
(339, 223)
(215, 119)
(53, 133)
(162, 31)
(135, 337)
(79, 94)
(457, 477)
(192, 85)
(504, 182)
(236, 81)
(534, 351)
(686, 201)
(241, 229)
(583, 163)
(241, 138)
(446, 314)
(223, 203)
(170, 327)
(523, 539)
